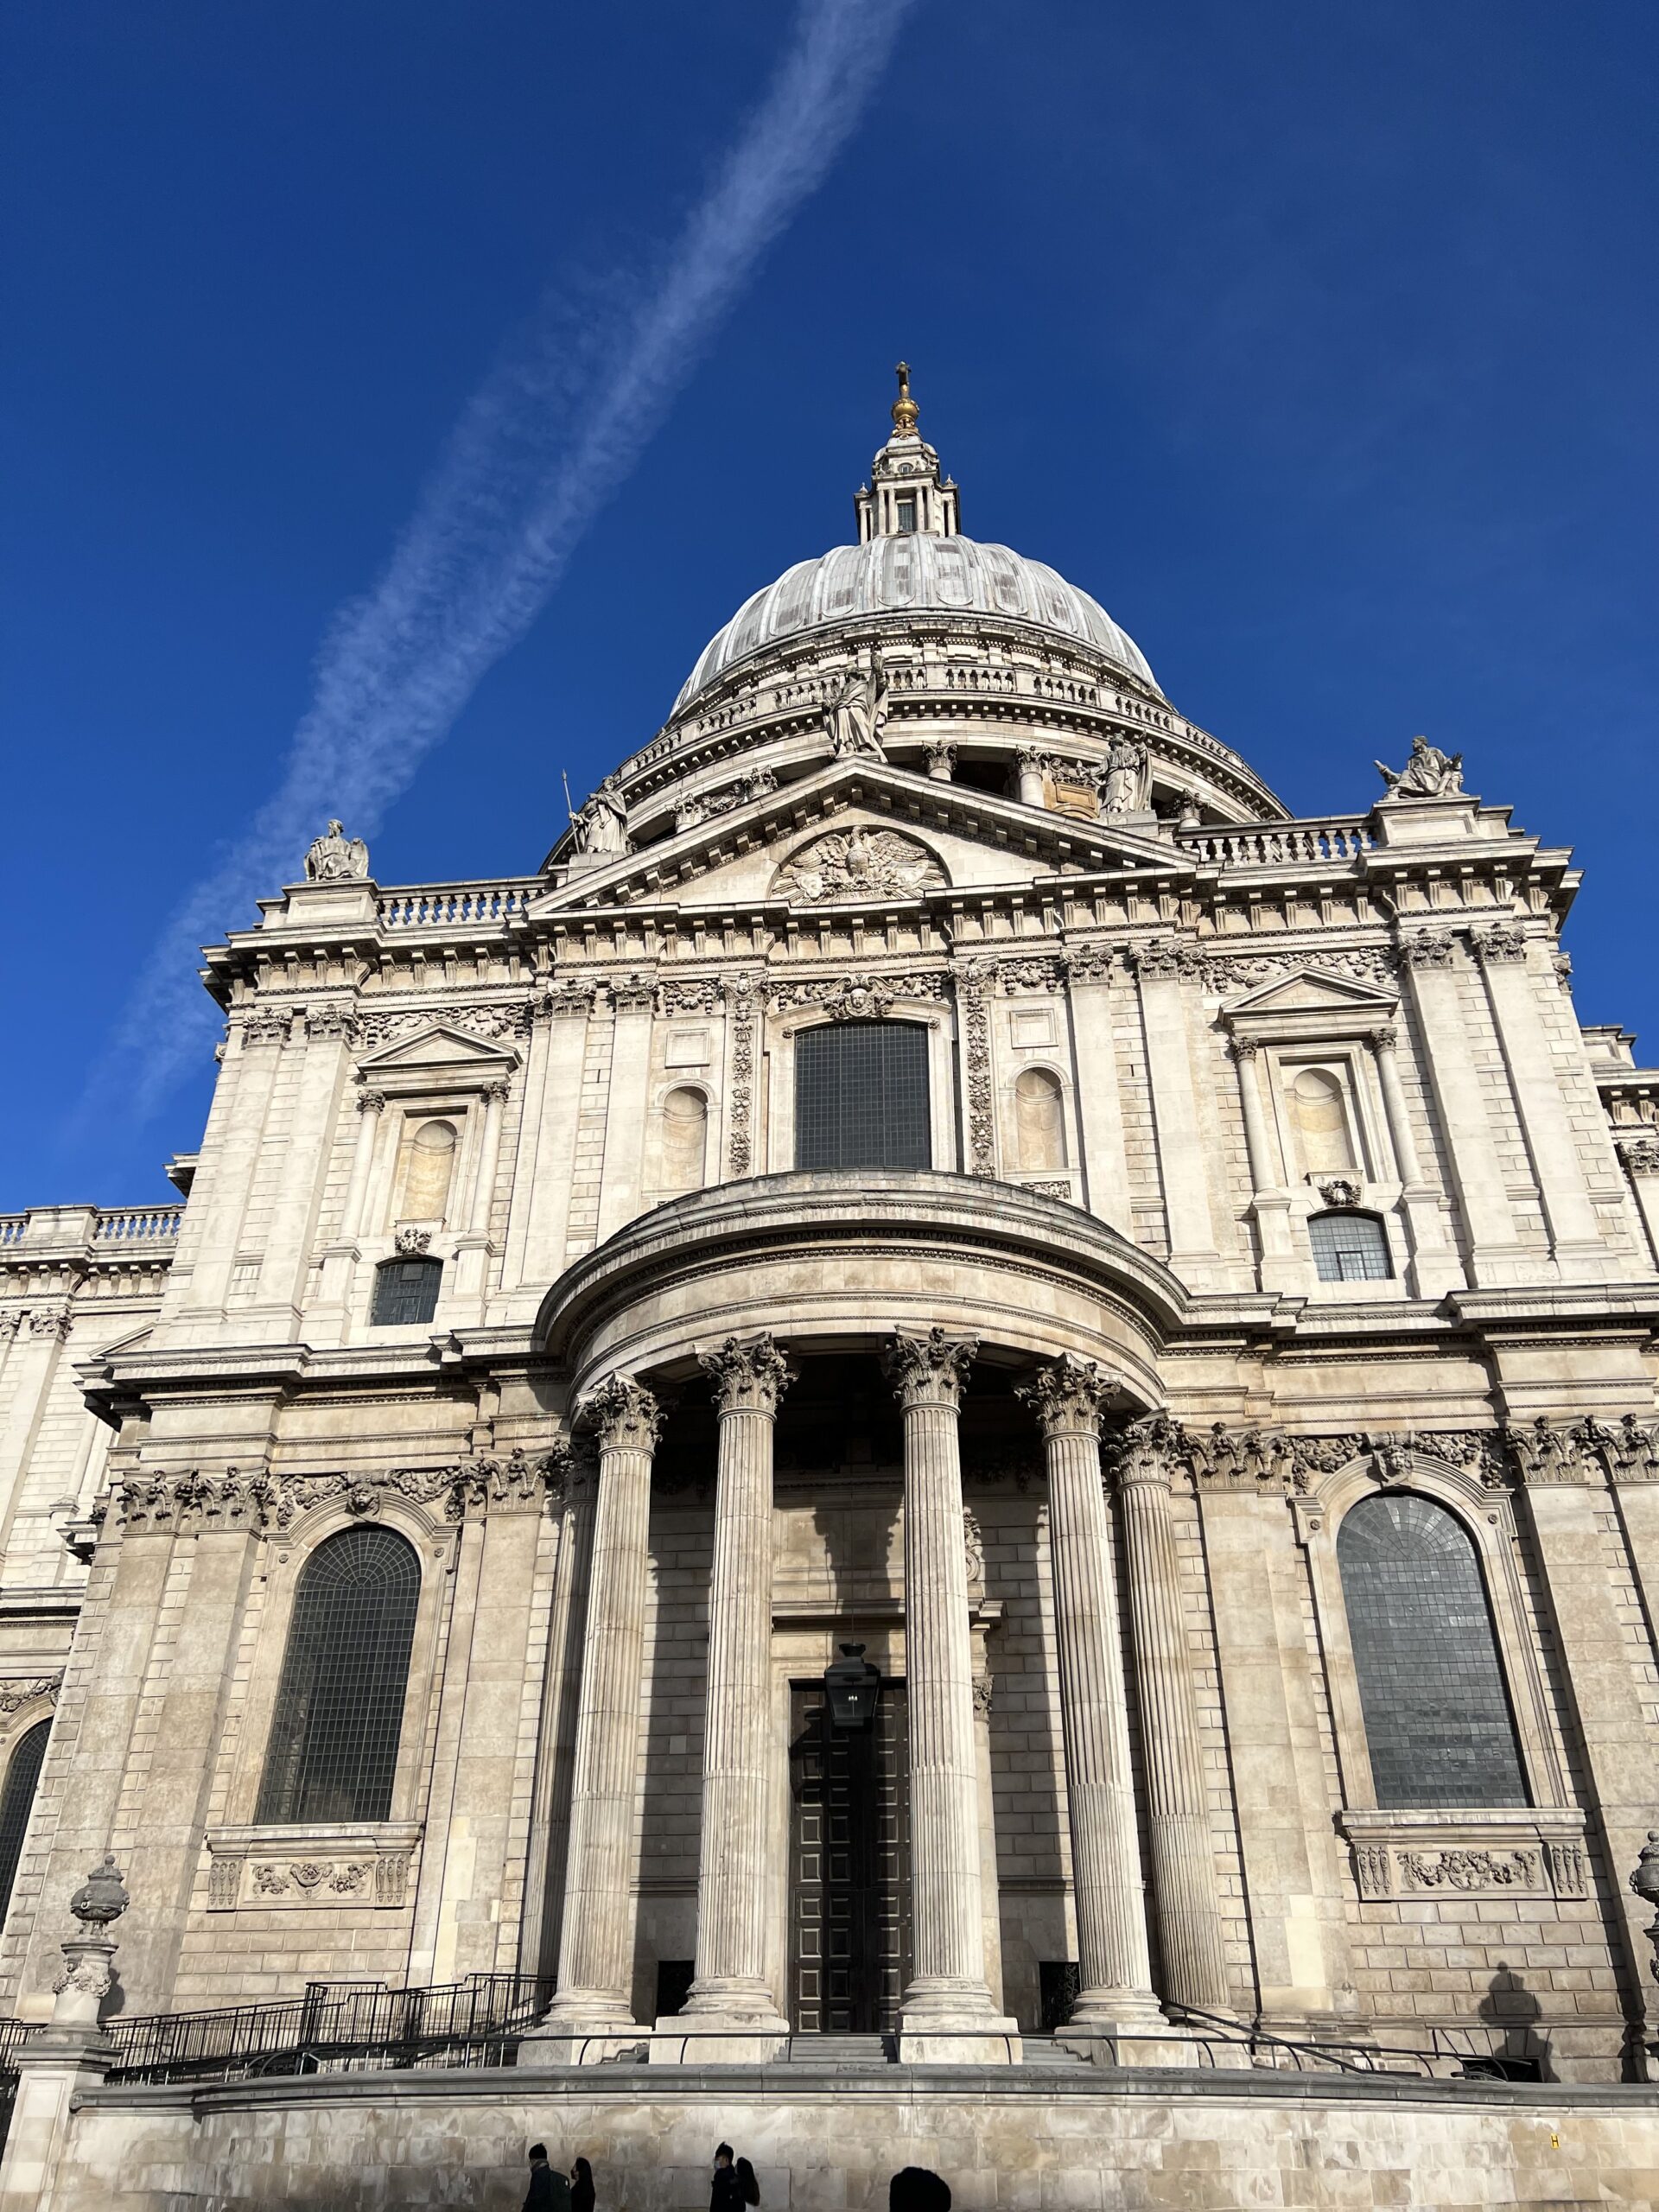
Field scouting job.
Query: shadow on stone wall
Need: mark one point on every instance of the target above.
(1521, 2051)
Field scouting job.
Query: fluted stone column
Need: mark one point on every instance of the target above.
(1115, 1972)
(731, 1989)
(1187, 1900)
(592, 2011)
(947, 2014)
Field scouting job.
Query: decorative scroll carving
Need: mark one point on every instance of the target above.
(984, 1695)
(858, 863)
(1429, 773)
(573, 994)
(373, 1877)
(265, 1504)
(975, 1021)
(688, 994)
(1542, 1453)
(1502, 944)
(1469, 1870)
(1091, 963)
(1426, 949)
(1640, 1156)
(411, 1243)
(1050, 1186)
(748, 1377)
(1406, 1854)
(1014, 976)
(1628, 1451)
(371, 1101)
(51, 1321)
(634, 993)
(332, 1024)
(941, 761)
(266, 1027)
(1339, 1191)
(10, 1325)
(1166, 959)
(622, 1414)
(492, 1021)
(15, 1695)
(1068, 1396)
(740, 998)
(930, 1370)
(1236, 972)
(846, 998)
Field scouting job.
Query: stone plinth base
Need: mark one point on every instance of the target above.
(704, 2040)
(1007, 2139)
(976, 2042)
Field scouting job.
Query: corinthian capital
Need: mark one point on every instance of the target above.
(747, 1378)
(622, 1414)
(930, 1370)
(1068, 1396)
(1146, 1452)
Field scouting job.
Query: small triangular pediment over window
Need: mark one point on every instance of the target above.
(440, 1047)
(1312, 990)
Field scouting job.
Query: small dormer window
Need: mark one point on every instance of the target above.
(907, 511)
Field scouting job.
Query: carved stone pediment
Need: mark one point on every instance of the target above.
(1314, 990)
(438, 1048)
(858, 862)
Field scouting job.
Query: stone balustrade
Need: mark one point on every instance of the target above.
(1280, 844)
(442, 905)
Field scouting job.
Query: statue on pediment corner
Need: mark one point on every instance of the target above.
(601, 826)
(1122, 786)
(1429, 773)
(336, 858)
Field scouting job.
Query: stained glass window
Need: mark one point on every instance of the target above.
(332, 1753)
(1431, 1685)
(861, 1095)
(18, 1802)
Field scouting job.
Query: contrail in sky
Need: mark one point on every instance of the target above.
(548, 437)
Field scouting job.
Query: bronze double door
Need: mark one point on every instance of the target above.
(849, 1866)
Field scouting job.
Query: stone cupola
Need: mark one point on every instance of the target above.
(906, 497)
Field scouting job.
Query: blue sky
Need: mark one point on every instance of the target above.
(1317, 343)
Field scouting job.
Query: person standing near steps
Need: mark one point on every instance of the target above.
(733, 2185)
(549, 2191)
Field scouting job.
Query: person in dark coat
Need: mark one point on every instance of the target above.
(746, 2181)
(581, 2187)
(548, 2191)
(915, 2188)
(726, 2187)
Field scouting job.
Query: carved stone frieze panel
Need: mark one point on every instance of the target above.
(974, 1023)
(492, 1021)
(1537, 1852)
(1231, 972)
(16, 1693)
(302, 1869)
(743, 996)
(265, 1504)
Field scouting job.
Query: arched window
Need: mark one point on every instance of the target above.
(685, 1139)
(1038, 1120)
(861, 1095)
(1437, 1713)
(340, 1705)
(1349, 1247)
(1319, 1111)
(428, 1164)
(405, 1290)
(18, 1802)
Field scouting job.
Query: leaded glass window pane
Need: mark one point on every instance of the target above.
(1349, 1247)
(332, 1753)
(405, 1290)
(18, 1802)
(861, 1095)
(1431, 1685)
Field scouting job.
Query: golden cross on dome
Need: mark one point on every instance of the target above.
(906, 412)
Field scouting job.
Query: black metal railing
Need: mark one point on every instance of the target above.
(343, 2026)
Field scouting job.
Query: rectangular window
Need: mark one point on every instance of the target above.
(907, 512)
(861, 1095)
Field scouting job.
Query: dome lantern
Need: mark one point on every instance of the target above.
(906, 496)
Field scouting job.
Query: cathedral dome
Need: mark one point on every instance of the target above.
(914, 573)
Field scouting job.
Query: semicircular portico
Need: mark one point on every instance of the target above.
(842, 1259)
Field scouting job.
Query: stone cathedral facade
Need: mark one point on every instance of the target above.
(941, 1195)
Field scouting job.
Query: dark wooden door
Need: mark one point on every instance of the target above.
(849, 1866)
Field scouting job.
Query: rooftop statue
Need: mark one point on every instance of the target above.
(1123, 784)
(336, 858)
(602, 826)
(857, 713)
(1429, 773)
